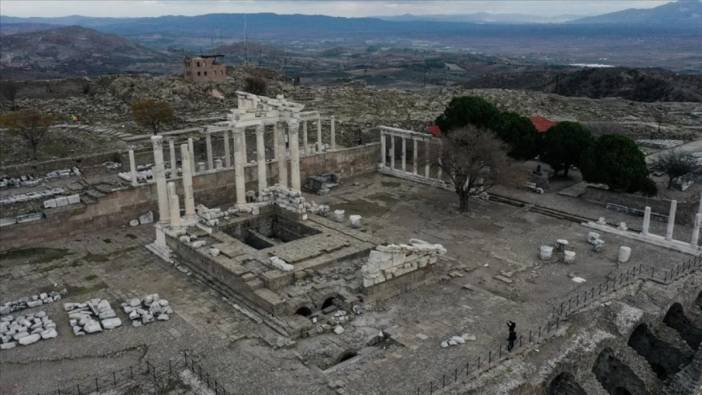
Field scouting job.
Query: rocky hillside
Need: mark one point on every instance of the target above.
(74, 50)
(647, 85)
(676, 13)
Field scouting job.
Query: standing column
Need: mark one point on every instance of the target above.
(282, 157)
(392, 151)
(646, 221)
(275, 141)
(427, 158)
(239, 176)
(696, 230)
(227, 151)
(208, 143)
(174, 205)
(305, 147)
(671, 220)
(293, 134)
(404, 153)
(171, 149)
(132, 167)
(383, 149)
(414, 156)
(188, 195)
(319, 133)
(191, 149)
(159, 174)
(261, 158)
(333, 133)
(441, 149)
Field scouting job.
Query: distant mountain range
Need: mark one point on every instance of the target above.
(685, 13)
(73, 50)
(483, 17)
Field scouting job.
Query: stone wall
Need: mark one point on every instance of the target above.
(59, 88)
(211, 189)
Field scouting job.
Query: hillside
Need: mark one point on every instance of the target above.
(678, 13)
(647, 85)
(73, 50)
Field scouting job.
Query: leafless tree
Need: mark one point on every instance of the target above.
(31, 125)
(474, 160)
(152, 114)
(674, 164)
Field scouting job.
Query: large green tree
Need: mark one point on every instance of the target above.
(152, 114)
(674, 164)
(519, 133)
(467, 110)
(617, 161)
(564, 146)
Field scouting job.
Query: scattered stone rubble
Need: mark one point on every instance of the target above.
(30, 301)
(283, 198)
(146, 218)
(28, 196)
(148, 309)
(30, 180)
(457, 340)
(331, 322)
(62, 201)
(387, 262)
(92, 316)
(25, 329)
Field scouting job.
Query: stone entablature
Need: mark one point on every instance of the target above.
(394, 260)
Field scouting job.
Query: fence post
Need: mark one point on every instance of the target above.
(539, 332)
(97, 385)
(489, 357)
(443, 380)
(78, 388)
(530, 336)
(467, 368)
(455, 379)
(114, 378)
(499, 352)
(170, 368)
(431, 387)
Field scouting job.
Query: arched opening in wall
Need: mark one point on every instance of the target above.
(346, 355)
(616, 377)
(565, 384)
(304, 311)
(665, 360)
(676, 319)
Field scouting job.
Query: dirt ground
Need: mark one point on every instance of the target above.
(463, 297)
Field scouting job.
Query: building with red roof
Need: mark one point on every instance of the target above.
(542, 124)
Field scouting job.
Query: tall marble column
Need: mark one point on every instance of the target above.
(404, 153)
(159, 174)
(188, 195)
(208, 143)
(261, 158)
(281, 155)
(671, 220)
(172, 152)
(414, 156)
(305, 145)
(191, 149)
(392, 151)
(132, 168)
(646, 221)
(294, 127)
(427, 158)
(227, 151)
(695, 241)
(239, 157)
(440, 170)
(333, 133)
(383, 149)
(174, 205)
(319, 133)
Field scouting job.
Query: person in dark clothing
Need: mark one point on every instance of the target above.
(512, 326)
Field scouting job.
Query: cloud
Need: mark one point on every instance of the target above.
(115, 8)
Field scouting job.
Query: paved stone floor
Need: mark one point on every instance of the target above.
(493, 238)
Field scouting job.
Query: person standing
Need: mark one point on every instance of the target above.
(512, 337)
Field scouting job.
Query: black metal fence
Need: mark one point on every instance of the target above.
(575, 301)
(145, 376)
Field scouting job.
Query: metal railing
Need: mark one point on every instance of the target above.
(144, 375)
(574, 302)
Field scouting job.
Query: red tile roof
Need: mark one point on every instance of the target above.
(541, 124)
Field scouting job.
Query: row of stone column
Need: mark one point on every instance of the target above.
(415, 153)
(670, 228)
(168, 201)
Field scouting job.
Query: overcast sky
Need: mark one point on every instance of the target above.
(112, 8)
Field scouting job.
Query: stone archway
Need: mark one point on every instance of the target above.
(616, 377)
(304, 311)
(565, 384)
(676, 319)
(665, 360)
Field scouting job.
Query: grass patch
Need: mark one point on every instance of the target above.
(107, 241)
(75, 291)
(390, 184)
(33, 255)
(90, 277)
(90, 257)
(130, 236)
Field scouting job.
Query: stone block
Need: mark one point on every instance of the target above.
(30, 339)
(111, 323)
